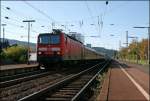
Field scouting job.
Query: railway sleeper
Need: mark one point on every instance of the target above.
(71, 88)
(76, 86)
(68, 93)
(79, 82)
(57, 99)
(62, 96)
(66, 90)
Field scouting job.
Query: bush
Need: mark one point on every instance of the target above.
(16, 53)
(2, 56)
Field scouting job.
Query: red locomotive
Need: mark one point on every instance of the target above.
(60, 47)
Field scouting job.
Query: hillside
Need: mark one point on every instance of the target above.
(109, 52)
(23, 43)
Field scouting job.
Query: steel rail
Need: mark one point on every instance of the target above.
(13, 71)
(79, 94)
(19, 75)
(59, 84)
(19, 80)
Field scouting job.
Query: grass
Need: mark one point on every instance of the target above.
(142, 62)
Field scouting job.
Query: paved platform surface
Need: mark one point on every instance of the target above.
(125, 83)
(144, 68)
(16, 66)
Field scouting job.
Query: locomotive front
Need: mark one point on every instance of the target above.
(49, 48)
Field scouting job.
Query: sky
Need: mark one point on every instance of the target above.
(102, 25)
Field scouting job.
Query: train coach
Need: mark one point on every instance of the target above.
(59, 47)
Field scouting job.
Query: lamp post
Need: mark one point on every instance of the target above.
(3, 32)
(120, 57)
(29, 21)
(114, 54)
(148, 42)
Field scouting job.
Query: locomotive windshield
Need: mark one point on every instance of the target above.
(54, 39)
(49, 39)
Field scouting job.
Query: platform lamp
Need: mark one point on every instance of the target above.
(3, 32)
(29, 21)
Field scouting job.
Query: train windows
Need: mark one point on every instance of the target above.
(54, 39)
(49, 39)
(44, 39)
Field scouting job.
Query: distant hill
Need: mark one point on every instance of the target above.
(109, 52)
(23, 43)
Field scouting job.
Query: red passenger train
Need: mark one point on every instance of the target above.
(59, 47)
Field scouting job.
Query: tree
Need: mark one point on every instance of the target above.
(135, 50)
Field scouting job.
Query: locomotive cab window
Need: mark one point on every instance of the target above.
(54, 39)
(49, 39)
(44, 39)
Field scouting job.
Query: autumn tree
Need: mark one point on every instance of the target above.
(135, 50)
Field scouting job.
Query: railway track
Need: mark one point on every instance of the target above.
(17, 71)
(70, 88)
(23, 79)
(18, 88)
(20, 75)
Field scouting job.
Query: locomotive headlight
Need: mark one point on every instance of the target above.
(58, 52)
(42, 49)
(39, 53)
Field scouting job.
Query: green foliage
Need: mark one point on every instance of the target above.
(2, 55)
(16, 53)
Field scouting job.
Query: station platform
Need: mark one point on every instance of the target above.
(17, 66)
(144, 68)
(125, 83)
